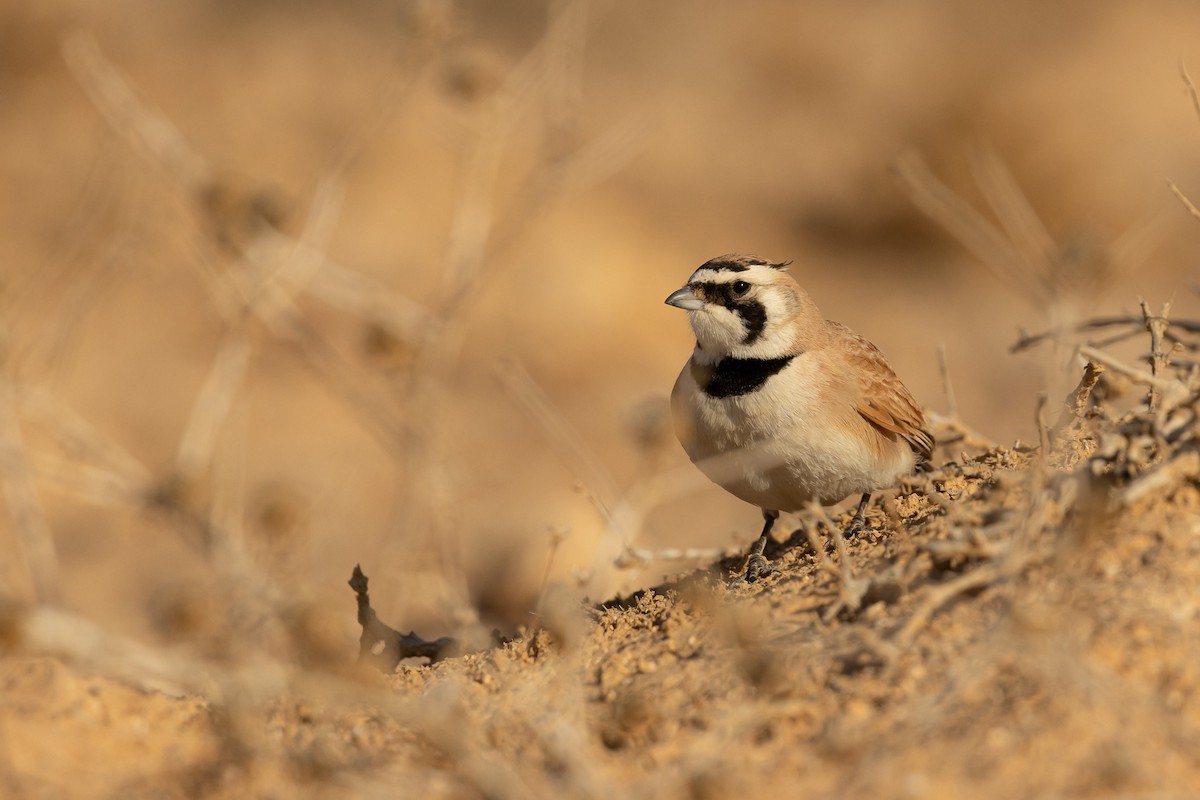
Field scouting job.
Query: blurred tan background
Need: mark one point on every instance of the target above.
(466, 352)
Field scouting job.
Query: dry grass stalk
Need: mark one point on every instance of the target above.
(563, 438)
(1190, 87)
(993, 249)
(636, 557)
(83, 449)
(150, 132)
(24, 507)
(950, 428)
(1170, 393)
(1157, 326)
(272, 267)
(199, 440)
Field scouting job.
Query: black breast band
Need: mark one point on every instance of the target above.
(736, 376)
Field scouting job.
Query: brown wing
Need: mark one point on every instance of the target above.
(884, 401)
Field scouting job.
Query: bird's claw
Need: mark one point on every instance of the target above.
(757, 567)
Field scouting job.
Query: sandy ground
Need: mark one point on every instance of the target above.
(288, 288)
(1026, 629)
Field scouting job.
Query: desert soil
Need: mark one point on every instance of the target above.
(1027, 629)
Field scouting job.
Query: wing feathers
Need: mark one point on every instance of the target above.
(883, 400)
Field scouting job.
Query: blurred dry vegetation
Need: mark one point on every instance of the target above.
(286, 287)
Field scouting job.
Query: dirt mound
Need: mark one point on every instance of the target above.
(1026, 628)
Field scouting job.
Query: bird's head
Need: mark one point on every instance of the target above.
(746, 307)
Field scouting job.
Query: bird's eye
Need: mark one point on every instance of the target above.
(740, 288)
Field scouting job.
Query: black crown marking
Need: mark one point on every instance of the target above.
(740, 263)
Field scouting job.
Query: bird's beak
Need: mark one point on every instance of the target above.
(685, 298)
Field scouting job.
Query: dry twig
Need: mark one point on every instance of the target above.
(381, 646)
(24, 507)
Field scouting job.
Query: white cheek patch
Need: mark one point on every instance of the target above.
(721, 331)
(717, 329)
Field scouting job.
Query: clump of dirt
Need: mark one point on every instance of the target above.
(1027, 628)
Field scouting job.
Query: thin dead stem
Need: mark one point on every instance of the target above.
(148, 130)
(1016, 215)
(1157, 326)
(556, 537)
(1135, 324)
(939, 596)
(634, 557)
(564, 439)
(1184, 199)
(273, 268)
(213, 403)
(952, 430)
(950, 427)
(1170, 393)
(966, 224)
(1190, 86)
(947, 384)
(1043, 428)
(851, 589)
(24, 506)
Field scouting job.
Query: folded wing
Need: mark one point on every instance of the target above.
(883, 400)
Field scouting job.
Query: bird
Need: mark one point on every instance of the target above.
(783, 408)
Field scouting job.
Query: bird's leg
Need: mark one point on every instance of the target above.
(757, 565)
(860, 516)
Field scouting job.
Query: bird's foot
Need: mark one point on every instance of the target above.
(860, 517)
(757, 568)
(855, 527)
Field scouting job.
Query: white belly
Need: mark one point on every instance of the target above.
(783, 455)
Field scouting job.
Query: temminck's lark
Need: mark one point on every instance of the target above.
(782, 407)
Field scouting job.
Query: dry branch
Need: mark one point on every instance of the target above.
(940, 595)
(633, 557)
(79, 440)
(383, 647)
(1136, 323)
(988, 244)
(1173, 392)
(24, 507)
(272, 268)
(147, 130)
(1183, 198)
